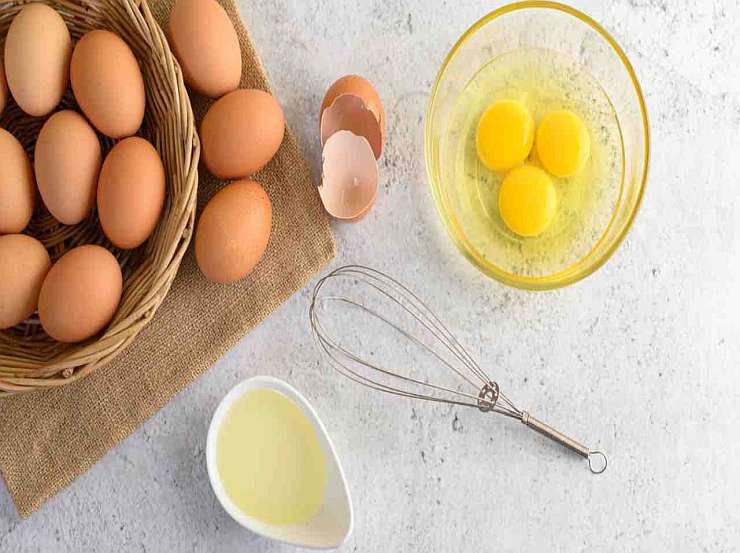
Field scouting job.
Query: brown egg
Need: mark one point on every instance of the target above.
(3, 88)
(205, 43)
(241, 133)
(131, 190)
(67, 161)
(233, 232)
(37, 52)
(107, 83)
(80, 294)
(360, 87)
(17, 186)
(24, 263)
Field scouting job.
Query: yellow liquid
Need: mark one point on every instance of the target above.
(269, 459)
(544, 81)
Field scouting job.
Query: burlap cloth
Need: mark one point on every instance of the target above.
(47, 439)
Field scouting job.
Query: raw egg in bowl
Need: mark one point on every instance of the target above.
(537, 145)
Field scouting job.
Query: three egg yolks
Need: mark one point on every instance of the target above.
(504, 138)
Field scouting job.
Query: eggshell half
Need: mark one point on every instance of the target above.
(67, 161)
(360, 87)
(349, 113)
(17, 185)
(205, 43)
(37, 52)
(3, 88)
(24, 263)
(233, 232)
(241, 133)
(80, 294)
(107, 83)
(349, 176)
(131, 191)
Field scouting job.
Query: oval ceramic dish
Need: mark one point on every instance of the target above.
(567, 32)
(331, 527)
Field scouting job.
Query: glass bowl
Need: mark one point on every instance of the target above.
(566, 32)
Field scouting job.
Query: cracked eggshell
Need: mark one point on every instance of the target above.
(349, 176)
(361, 88)
(350, 113)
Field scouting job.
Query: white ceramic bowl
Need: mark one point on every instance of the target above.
(332, 525)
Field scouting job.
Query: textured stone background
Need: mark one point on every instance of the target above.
(641, 358)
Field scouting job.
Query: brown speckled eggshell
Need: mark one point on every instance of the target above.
(67, 160)
(17, 185)
(80, 294)
(131, 191)
(241, 133)
(37, 51)
(24, 263)
(107, 83)
(3, 88)
(233, 232)
(205, 43)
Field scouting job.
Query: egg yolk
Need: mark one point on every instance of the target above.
(563, 145)
(527, 200)
(504, 135)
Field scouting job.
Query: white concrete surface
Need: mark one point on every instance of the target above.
(641, 358)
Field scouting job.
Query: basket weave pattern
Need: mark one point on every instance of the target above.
(29, 359)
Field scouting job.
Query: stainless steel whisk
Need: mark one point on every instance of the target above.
(484, 393)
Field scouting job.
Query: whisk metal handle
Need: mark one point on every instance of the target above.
(570, 443)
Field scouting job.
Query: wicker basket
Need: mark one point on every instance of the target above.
(29, 359)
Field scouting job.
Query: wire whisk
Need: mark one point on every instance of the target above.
(374, 295)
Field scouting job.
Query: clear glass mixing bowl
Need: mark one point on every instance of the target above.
(567, 31)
